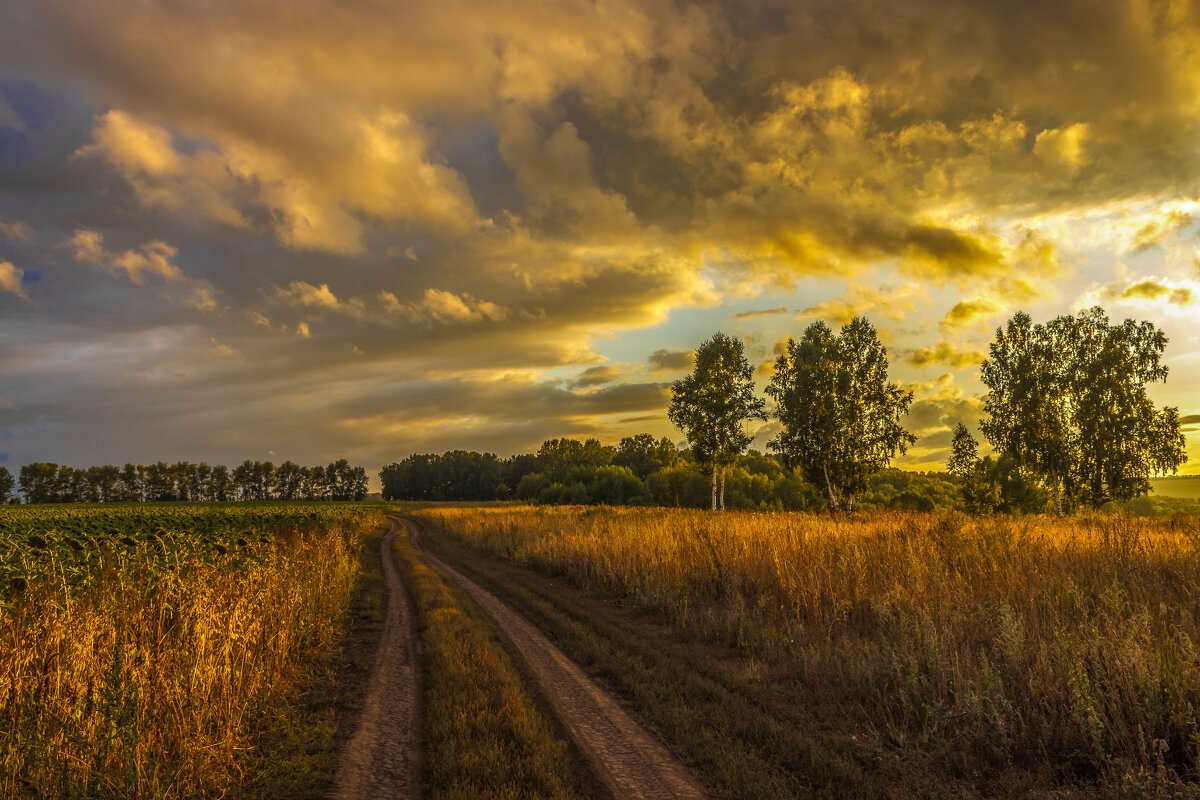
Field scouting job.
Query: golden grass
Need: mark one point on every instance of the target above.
(484, 736)
(991, 642)
(144, 683)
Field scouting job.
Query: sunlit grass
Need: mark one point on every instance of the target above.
(484, 734)
(992, 642)
(143, 681)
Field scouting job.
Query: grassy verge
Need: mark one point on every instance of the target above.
(747, 723)
(297, 740)
(484, 735)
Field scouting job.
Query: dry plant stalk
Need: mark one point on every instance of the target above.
(142, 684)
(995, 641)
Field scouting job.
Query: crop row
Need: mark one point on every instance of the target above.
(82, 545)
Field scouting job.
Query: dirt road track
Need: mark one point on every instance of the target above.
(627, 760)
(383, 758)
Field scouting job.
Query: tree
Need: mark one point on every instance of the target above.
(712, 405)
(39, 482)
(840, 415)
(1067, 402)
(219, 484)
(978, 494)
(288, 479)
(133, 483)
(7, 482)
(643, 454)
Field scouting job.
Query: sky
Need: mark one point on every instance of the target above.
(313, 230)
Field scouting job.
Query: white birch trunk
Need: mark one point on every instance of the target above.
(834, 507)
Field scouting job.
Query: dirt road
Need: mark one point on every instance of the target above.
(623, 756)
(383, 758)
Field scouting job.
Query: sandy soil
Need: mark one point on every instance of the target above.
(628, 762)
(383, 757)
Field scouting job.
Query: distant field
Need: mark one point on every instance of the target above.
(1178, 487)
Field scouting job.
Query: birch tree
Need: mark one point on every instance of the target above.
(1067, 401)
(712, 406)
(839, 413)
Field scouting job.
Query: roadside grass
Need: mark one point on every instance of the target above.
(485, 736)
(724, 716)
(298, 739)
(896, 655)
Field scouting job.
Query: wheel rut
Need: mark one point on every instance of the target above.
(383, 757)
(628, 762)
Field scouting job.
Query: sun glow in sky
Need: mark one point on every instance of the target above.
(311, 230)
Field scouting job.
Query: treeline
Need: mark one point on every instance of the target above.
(641, 470)
(1066, 413)
(183, 481)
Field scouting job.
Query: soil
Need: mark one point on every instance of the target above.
(383, 757)
(622, 756)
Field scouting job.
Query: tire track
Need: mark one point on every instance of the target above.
(628, 762)
(383, 758)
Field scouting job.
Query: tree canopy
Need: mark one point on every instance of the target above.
(839, 413)
(1067, 402)
(712, 405)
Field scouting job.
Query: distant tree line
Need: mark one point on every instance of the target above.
(1066, 414)
(136, 483)
(642, 470)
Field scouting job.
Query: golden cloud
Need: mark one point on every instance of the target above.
(945, 353)
(967, 313)
(10, 280)
(16, 230)
(153, 259)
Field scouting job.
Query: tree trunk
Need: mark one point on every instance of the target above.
(834, 508)
(714, 489)
(722, 487)
(849, 502)
(1057, 497)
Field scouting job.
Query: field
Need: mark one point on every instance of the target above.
(1000, 655)
(1187, 487)
(139, 645)
(177, 651)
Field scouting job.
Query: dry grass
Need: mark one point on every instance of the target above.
(144, 682)
(484, 735)
(989, 643)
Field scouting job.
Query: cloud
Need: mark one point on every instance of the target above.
(10, 280)
(670, 360)
(968, 313)
(862, 300)
(469, 191)
(305, 295)
(599, 375)
(150, 260)
(766, 312)
(1149, 292)
(16, 230)
(944, 353)
(939, 406)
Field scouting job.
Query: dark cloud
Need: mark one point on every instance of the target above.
(670, 360)
(766, 312)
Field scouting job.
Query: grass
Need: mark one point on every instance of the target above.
(297, 739)
(484, 734)
(149, 681)
(946, 654)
